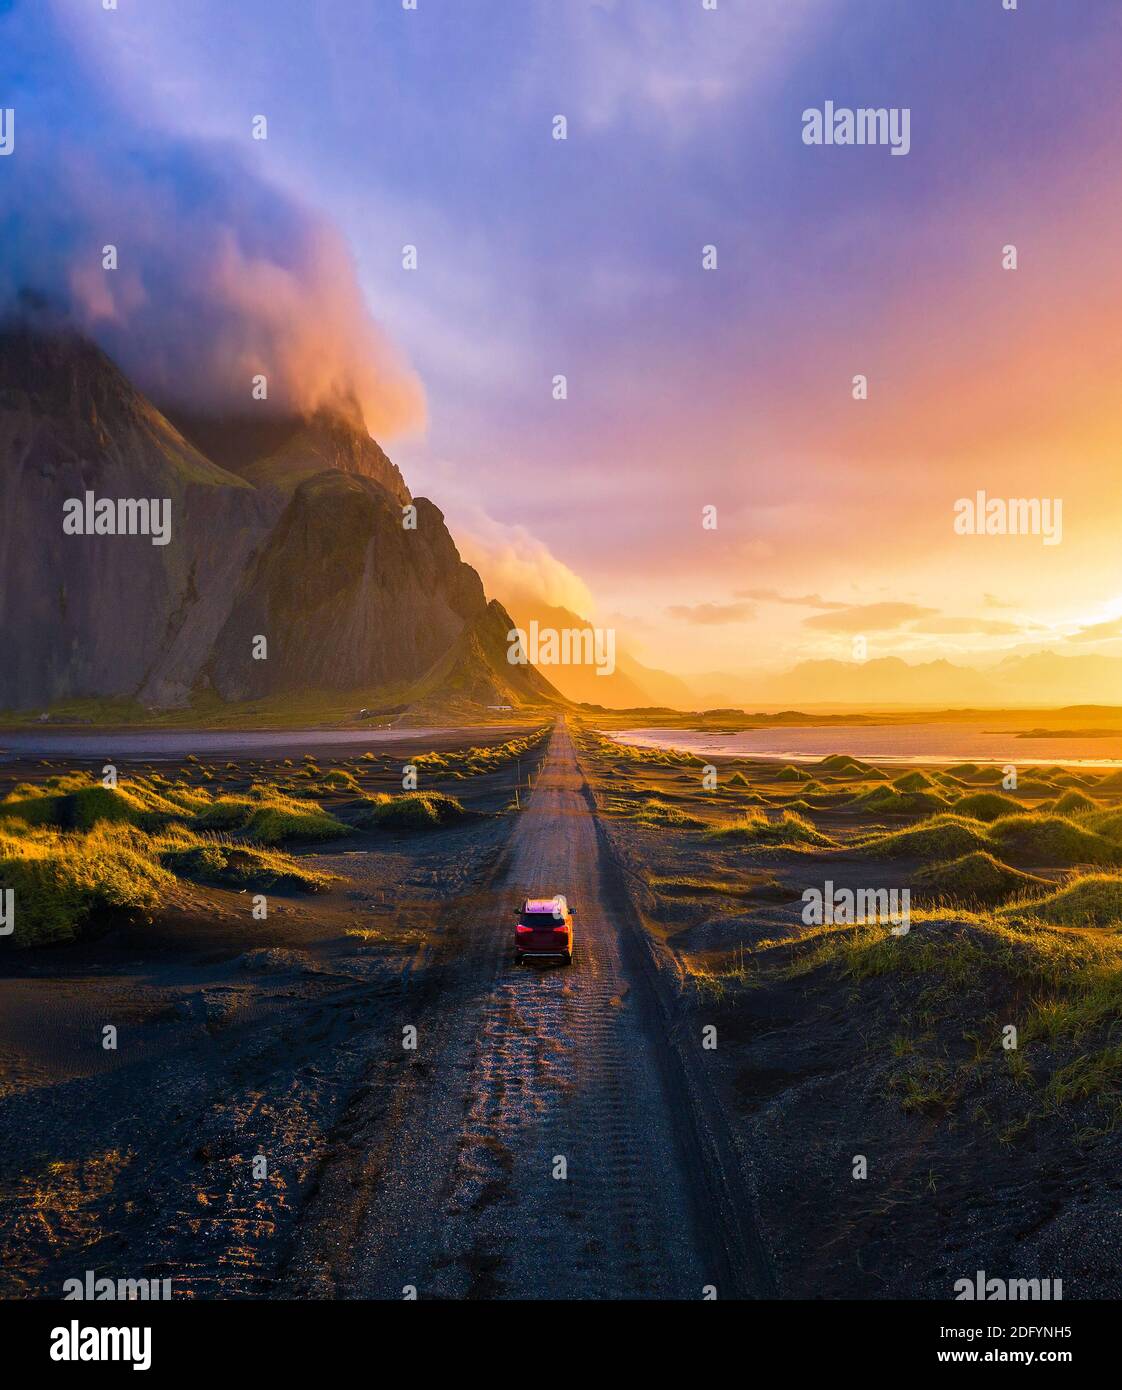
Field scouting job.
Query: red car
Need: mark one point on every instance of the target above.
(545, 929)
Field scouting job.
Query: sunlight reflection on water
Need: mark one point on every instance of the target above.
(889, 743)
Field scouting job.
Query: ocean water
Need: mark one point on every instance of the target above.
(886, 743)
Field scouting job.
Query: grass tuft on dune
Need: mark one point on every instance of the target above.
(413, 811)
(277, 819)
(61, 880)
(913, 782)
(754, 828)
(340, 780)
(886, 800)
(1028, 837)
(1051, 839)
(976, 878)
(944, 836)
(270, 818)
(986, 806)
(655, 812)
(231, 865)
(1092, 900)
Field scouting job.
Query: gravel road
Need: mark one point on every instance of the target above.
(539, 1142)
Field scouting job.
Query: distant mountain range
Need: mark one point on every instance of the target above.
(290, 530)
(1041, 678)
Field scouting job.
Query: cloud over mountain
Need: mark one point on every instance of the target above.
(220, 276)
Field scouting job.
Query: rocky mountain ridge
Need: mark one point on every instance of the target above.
(289, 566)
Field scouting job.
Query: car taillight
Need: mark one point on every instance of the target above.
(519, 929)
(562, 927)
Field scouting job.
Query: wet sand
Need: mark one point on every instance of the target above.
(160, 745)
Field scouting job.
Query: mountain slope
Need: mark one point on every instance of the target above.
(96, 615)
(476, 669)
(345, 595)
(296, 536)
(282, 451)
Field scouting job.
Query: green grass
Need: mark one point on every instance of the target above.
(1094, 1076)
(600, 744)
(340, 780)
(986, 806)
(414, 811)
(923, 1085)
(270, 817)
(291, 710)
(1068, 984)
(976, 878)
(231, 865)
(1108, 824)
(225, 813)
(655, 812)
(944, 836)
(279, 819)
(913, 782)
(887, 800)
(1092, 900)
(1029, 837)
(62, 880)
(137, 802)
(1037, 838)
(754, 828)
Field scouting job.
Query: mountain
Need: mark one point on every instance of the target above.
(102, 615)
(475, 669)
(282, 451)
(1054, 678)
(630, 686)
(345, 595)
(881, 681)
(287, 530)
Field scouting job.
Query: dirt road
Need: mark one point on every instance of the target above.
(540, 1141)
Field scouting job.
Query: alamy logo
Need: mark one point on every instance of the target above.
(567, 646)
(7, 130)
(1012, 1290)
(121, 516)
(830, 906)
(78, 1343)
(868, 125)
(1013, 516)
(7, 911)
(93, 1289)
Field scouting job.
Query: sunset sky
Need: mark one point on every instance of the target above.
(729, 387)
